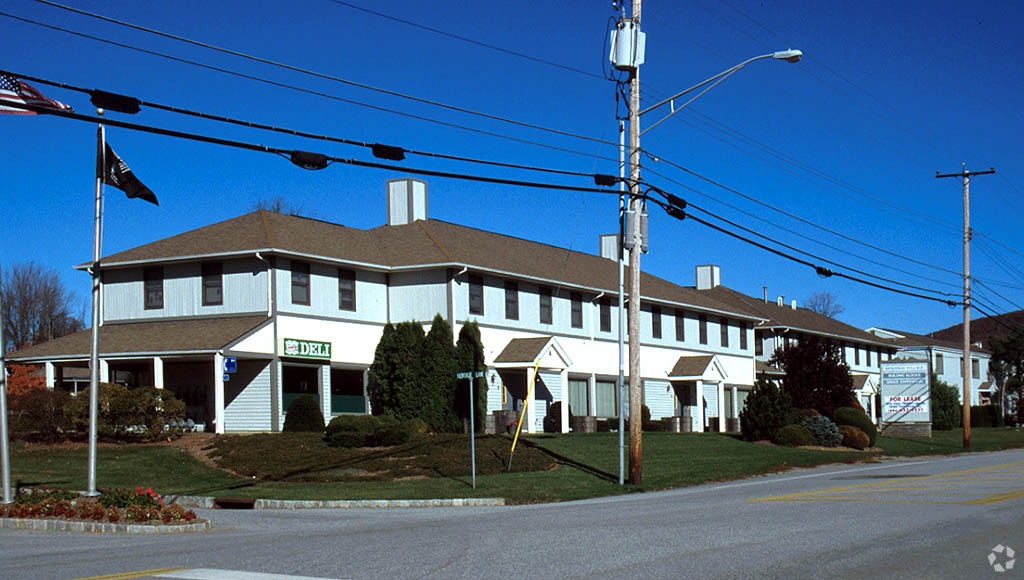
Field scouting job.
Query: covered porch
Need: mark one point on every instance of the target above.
(535, 373)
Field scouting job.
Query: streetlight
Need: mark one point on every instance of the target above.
(627, 54)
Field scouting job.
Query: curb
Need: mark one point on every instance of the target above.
(286, 504)
(100, 527)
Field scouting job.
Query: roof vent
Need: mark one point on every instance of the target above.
(782, 301)
(793, 304)
(407, 201)
(708, 276)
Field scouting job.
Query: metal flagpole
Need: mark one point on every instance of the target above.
(5, 450)
(94, 354)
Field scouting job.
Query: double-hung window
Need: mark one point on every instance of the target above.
(213, 284)
(606, 314)
(655, 322)
(545, 305)
(723, 329)
(511, 300)
(680, 318)
(476, 295)
(153, 282)
(300, 283)
(576, 315)
(703, 328)
(346, 289)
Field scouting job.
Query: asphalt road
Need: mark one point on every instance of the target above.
(914, 518)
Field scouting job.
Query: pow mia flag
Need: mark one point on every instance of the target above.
(113, 171)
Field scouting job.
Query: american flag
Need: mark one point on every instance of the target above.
(12, 89)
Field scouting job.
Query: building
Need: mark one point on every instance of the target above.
(943, 357)
(784, 324)
(296, 306)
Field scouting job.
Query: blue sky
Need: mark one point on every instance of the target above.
(849, 138)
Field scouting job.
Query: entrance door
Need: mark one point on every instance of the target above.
(298, 381)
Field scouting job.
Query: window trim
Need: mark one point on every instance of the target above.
(209, 283)
(153, 276)
(511, 300)
(299, 268)
(346, 275)
(476, 294)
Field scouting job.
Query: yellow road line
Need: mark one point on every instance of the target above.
(136, 574)
(929, 485)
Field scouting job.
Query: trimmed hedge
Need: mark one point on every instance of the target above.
(793, 436)
(987, 416)
(352, 431)
(856, 418)
(304, 416)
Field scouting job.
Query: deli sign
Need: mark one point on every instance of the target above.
(298, 348)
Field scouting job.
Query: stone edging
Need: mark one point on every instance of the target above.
(273, 504)
(100, 527)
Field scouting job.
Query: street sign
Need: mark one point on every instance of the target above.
(469, 375)
(230, 364)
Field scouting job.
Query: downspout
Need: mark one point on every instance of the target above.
(275, 360)
(592, 302)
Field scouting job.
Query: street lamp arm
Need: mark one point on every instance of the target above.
(790, 55)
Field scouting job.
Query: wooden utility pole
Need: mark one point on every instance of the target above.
(636, 469)
(965, 178)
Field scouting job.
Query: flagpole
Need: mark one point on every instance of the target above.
(94, 353)
(5, 450)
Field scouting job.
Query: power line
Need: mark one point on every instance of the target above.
(379, 150)
(321, 75)
(994, 291)
(798, 218)
(305, 159)
(467, 39)
(675, 209)
(302, 89)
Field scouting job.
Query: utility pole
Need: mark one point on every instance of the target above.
(636, 469)
(965, 178)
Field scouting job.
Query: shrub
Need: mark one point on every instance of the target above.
(304, 416)
(41, 413)
(854, 437)
(350, 431)
(767, 410)
(417, 426)
(609, 424)
(816, 376)
(793, 436)
(553, 420)
(347, 439)
(363, 423)
(387, 435)
(823, 430)
(946, 410)
(855, 418)
(139, 414)
(986, 416)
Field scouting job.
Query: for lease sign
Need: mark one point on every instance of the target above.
(905, 393)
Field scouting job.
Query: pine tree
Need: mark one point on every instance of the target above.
(436, 395)
(394, 374)
(470, 351)
(816, 376)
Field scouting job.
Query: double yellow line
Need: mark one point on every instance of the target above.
(136, 574)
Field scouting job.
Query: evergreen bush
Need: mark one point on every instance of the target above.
(946, 410)
(304, 416)
(766, 411)
(853, 437)
(824, 431)
(986, 416)
(470, 353)
(816, 376)
(855, 418)
(793, 436)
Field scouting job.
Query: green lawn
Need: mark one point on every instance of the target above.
(544, 468)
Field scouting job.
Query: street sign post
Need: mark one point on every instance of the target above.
(470, 375)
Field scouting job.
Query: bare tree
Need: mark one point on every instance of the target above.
(37, 307)
(824, 303)
(279, 204)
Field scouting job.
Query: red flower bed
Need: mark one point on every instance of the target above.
(137, 506)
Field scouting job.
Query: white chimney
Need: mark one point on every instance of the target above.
(610, 248)
(407, 201)
(708, 276)
(781, 301)
(794, 305)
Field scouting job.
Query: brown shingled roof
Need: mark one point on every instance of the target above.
(690, 366)
(200, 334)
(522, 350)
(800, 319)
(420, 243)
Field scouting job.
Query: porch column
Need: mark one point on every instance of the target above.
(218, 392)
(51, 375)
(158, 372)
(104, 371)
(592, 394)
(699, 419)
(721, 406)
(325, 391)
(565, 400)
(735, 402)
